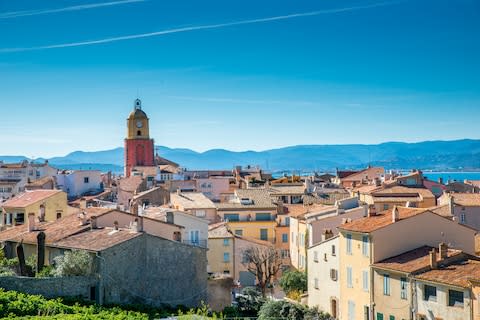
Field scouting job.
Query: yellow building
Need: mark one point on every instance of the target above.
(377, 237)
(47, 205)
(250, 213)
(220, 254)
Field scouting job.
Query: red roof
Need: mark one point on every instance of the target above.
(29, 197)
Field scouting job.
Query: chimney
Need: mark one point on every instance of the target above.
(178, 191)
(395, 214)
(82, 216)
(451, 205)
(83, 203)
(440, 180)
(31, 222)
(443, 250)
(433, 259)
(134, 208)
(93, 222)
(372, 211)
(139, 224)
(115, 225)
(327, 234)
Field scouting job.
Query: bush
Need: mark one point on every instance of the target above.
(294, 280)
(286, 310)
(250, 302)
(74, 263)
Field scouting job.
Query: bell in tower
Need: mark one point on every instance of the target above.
(138, 104)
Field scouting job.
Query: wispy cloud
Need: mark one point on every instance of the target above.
(243, 101)
(17, 14)
(202, 27)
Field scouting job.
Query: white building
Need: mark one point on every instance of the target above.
(80, 182)
(323, 284)
(194, 229)
(15, 176)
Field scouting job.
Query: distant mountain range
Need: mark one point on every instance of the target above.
(434, 155)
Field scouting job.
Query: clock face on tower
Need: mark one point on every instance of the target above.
(139, 124)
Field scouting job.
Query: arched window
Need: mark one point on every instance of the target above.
(139, 133)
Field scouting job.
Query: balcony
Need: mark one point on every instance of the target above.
(196, 243)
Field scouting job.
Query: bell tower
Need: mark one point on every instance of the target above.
(138, 145)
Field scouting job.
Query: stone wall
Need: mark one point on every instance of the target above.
(51, 287)
(155, 271)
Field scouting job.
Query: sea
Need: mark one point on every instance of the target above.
(451, 176)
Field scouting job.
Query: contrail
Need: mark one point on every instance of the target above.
(26, 13)
(200, 27)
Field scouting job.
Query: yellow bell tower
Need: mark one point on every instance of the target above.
(137, 123)
(138, 145)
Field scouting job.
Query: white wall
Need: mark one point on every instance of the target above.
(328, 289)
(73, 183)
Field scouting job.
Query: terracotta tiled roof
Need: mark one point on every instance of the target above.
(191, 200)
(457, 274)
(299, 210)
(381, 220)
(54, 231)
(466, 199)
(40, 182)
(358, 176)
(146, 170)
(219, 231)
(30, 197)
(97, 239)
(260, 199)
(415, 260)
(400, 191)
(344, 174)
(286, 190)
(442, 210)
(130, 184)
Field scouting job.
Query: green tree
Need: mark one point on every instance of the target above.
(285, 310)
(250, 302)
(73, 263)
(294, 281)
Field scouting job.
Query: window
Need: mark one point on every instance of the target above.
(391, 317)
(226, 271)
(245, 258)
(379, 316)
(231, 217)
(316, 283)
(285, 254)
(334, 274)
(462, 218)
(365, 280)
(85, 180)
(226, 242)
(333, 251)
(264, 234)
(315, 256)
(20, 218)
(239, 232)
(226, 257)
(386, 285)
(429, 293)
(287, 221)
(366, 312)
(403, 288)
(200, 213)
(365, 246)
(263, 217)
(349, 244)
(59, 215)
(351, 310)
(285, 238)
(349, 277)
(302, 239)
(385, 207)
(455, 298)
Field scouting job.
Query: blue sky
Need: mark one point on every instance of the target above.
(239, 75)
